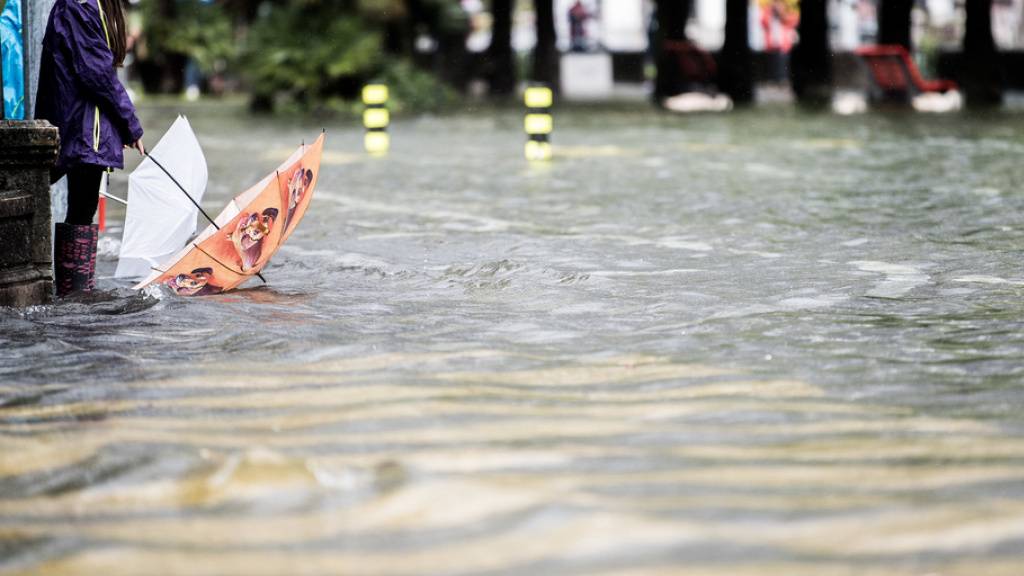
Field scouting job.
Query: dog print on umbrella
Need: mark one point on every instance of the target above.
(250, 232)
(199, 282)
(297, 186)
(297, 181)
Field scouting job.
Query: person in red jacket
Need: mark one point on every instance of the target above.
(779, 19)
(80, 94)
(578, 16)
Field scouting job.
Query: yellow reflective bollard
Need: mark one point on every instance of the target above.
(376, 119)
(538, 123)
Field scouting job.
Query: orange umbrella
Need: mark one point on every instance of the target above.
(242, 238)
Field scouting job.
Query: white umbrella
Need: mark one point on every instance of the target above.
(160, 219)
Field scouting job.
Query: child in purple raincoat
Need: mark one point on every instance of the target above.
(80, 94)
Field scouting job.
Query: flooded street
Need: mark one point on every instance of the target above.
(723, 345)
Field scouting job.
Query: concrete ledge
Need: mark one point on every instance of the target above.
(28, 143)
(26, 286)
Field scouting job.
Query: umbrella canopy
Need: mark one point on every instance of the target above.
(160, 220)
(250, 229)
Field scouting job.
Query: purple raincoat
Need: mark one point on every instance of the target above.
(76, 78)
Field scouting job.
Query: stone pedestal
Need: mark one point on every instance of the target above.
(27, 152)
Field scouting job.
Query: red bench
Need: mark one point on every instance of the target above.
(895, 76)
(692, 69)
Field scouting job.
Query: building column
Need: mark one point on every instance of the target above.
(894, 22)
(36, 17)
(811, 68)
(672, 16)
(981, 79)
(736, 67)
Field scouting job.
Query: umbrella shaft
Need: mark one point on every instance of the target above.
(182, 188)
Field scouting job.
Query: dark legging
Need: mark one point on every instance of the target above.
(83, 193)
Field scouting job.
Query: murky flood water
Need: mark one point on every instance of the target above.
(761, 343)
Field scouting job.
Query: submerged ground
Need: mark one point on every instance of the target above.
(749, 344)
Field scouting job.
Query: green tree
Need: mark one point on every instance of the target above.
(176, 30)
(308, 51)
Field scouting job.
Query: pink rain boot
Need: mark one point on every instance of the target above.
(74, 251)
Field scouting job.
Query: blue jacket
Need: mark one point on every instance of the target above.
(12, 61)
(79, 92)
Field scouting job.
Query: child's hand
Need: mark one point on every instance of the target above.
(138, 145)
